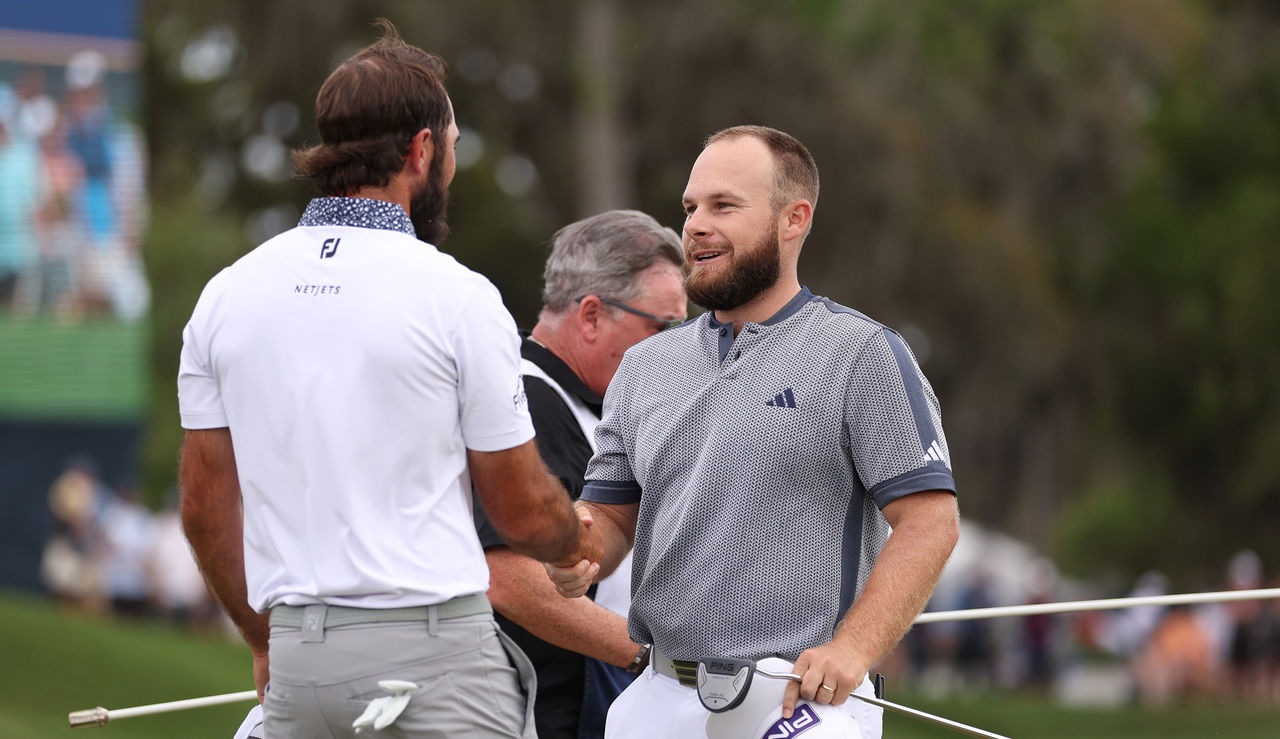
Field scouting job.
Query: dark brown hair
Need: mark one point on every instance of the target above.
(368, 112)
(795, 174)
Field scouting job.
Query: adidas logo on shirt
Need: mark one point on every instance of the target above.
(783, 399)
(934, 453)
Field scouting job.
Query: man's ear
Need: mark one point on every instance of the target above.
(590, 312)
(794, 219)
(421, 150)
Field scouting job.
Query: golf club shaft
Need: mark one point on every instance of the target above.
(940, 721)
(1108, 604)
(100, 716)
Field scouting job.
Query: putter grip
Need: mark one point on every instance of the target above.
(90, 717)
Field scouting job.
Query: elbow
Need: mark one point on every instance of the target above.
(950, 527)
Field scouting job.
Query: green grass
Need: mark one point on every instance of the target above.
(53, 662)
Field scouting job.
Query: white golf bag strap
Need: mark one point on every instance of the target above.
(614, 592)
(586, 419)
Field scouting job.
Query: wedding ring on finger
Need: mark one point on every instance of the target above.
(828, 687)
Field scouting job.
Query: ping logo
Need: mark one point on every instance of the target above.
(329, 248)
(803, 719)
(783, 399)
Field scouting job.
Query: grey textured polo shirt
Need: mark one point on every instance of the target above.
(760, 463)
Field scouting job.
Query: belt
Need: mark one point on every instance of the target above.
(677, 669)
(291, 617)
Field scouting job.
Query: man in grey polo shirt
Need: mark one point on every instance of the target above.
(779, 462)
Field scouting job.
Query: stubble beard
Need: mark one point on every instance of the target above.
(428, 207)
(747, 276)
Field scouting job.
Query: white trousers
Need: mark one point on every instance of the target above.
(659, 707)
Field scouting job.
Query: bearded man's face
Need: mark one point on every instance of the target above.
(749, 272)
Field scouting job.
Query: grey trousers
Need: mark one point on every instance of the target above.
(474, 682)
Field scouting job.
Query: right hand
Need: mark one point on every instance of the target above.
(574, 574)
(261, 673)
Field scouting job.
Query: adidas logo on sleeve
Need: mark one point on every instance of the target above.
(934, 454)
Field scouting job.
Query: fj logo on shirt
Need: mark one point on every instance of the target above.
(520, 400)
(329, 248)
(783, 399)
(801, 721)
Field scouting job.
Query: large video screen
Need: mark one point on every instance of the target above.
(73, 291)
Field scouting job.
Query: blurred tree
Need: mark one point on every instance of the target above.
(1188, 300)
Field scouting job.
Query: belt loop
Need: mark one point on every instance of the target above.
(433, 621)
(313, 618)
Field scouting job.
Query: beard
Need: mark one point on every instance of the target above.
(748, 274)
(428, 206)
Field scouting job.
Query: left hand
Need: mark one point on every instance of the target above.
(836, 665)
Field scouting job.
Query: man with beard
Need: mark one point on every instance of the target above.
(779, 464)
(343, 386)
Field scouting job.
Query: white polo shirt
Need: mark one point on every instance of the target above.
(355, 365)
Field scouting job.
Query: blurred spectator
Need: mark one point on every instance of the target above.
(1251, 657)
(1126, 630)
(19, 168)
(975, 655)
(126, 542)
(58, 224)
(68, 567)
(1176, 662)
(1038, 630)
(177, 586)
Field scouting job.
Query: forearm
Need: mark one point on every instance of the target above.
(527, 506)
(213, 521)
(900, 583)
(616, 534)
(520, 590)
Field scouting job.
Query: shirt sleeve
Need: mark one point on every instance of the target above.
(493, 409)
(560, 443)
(610, 479)
(895, 423)
(199, 397)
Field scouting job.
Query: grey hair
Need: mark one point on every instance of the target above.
(603, 255)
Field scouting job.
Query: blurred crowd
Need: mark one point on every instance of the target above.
(109, 552)
(72, 198)
(1155, 656)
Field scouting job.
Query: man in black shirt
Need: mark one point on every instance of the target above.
(612, 280)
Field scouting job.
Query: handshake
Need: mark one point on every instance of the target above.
(574, 574)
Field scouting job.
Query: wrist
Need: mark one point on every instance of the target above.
(641, 660)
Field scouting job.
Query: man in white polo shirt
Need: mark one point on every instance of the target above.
(343, 386)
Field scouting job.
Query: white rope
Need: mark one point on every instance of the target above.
(1097, 605)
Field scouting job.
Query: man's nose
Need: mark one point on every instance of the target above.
(695, 226)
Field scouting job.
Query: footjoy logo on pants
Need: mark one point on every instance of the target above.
(801, 721)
